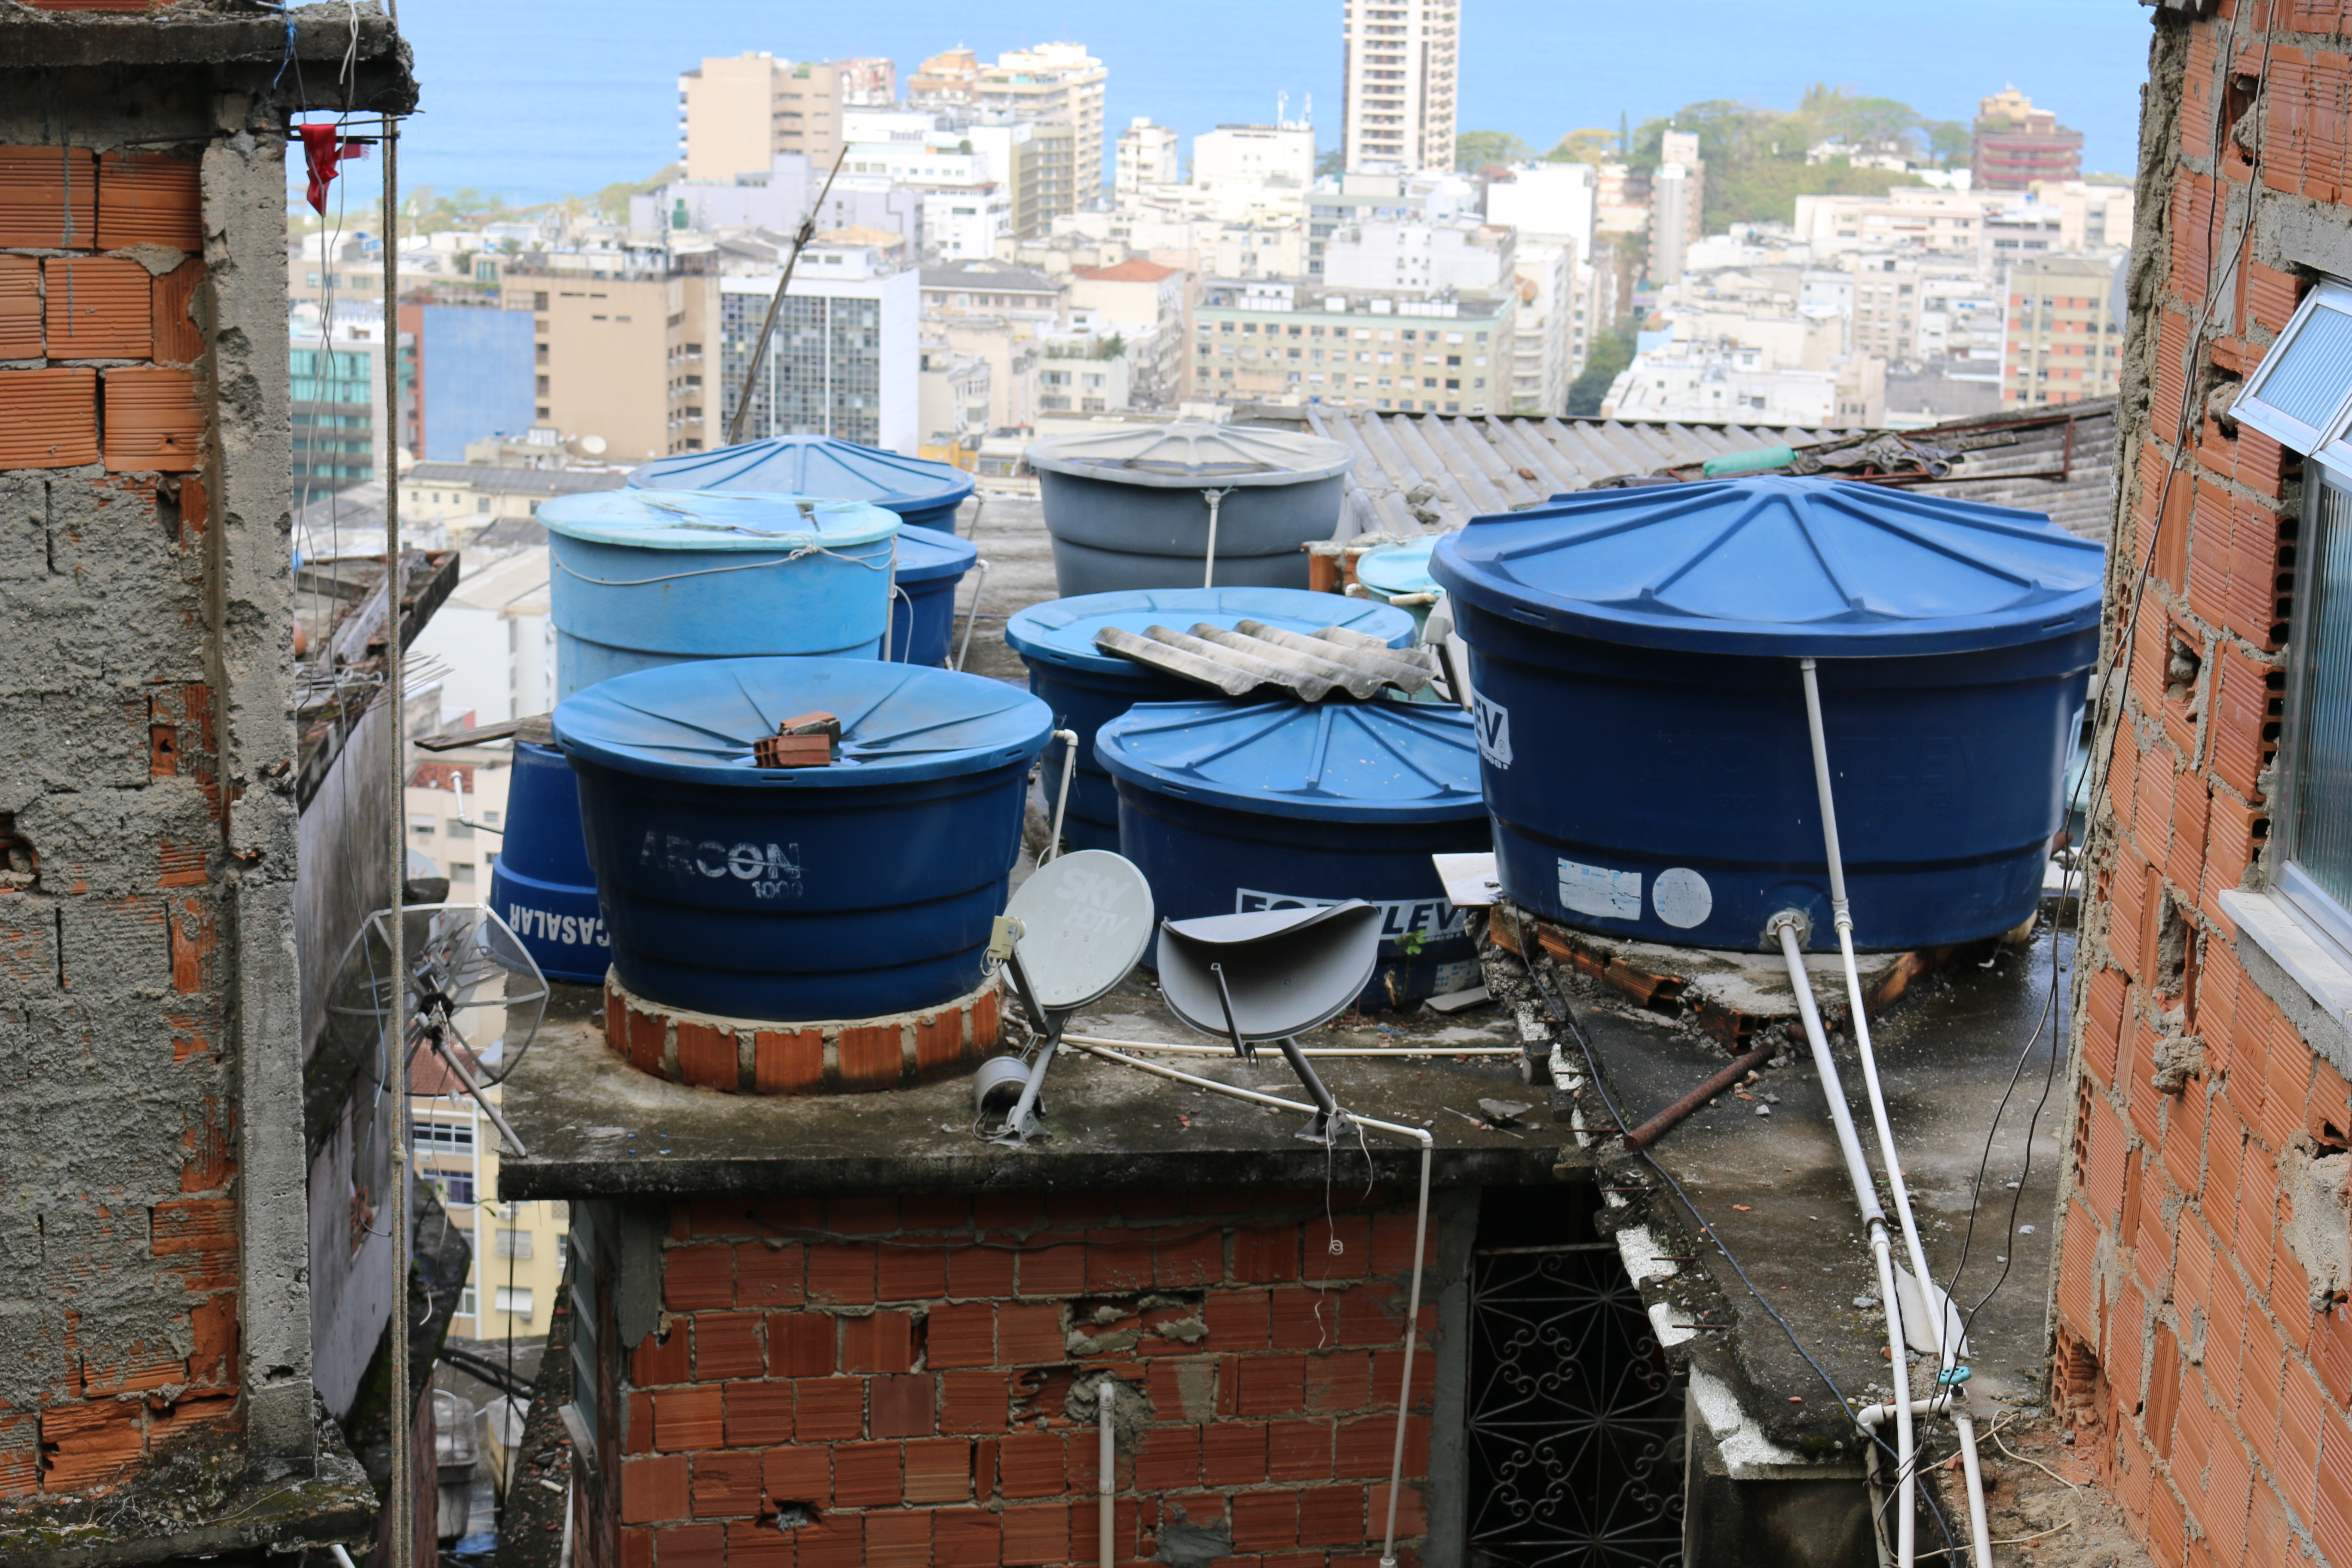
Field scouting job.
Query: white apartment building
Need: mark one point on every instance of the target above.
(1552, 206)
(844, 355)
(1403, 59)
(963, 223)
(496, 640)
(1053, 81)
(1147, 156)
(1463, 254)
(1719, 382)
(1544, 342)
(1281, 156)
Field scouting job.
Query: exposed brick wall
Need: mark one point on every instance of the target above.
(119, 1235)
(2189, 1341)
(917, 1373)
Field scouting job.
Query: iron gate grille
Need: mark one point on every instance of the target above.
(1575, 1421)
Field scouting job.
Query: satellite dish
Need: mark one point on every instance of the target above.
(591, 446)
(474, 997)
(1271, 974)
(1079, 924)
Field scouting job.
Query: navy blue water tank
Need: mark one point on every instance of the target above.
(1228, 808)
(924, 494)
(540, 882)
(922, 610)
(847, 891)
(1088, 688)
(1641, 718)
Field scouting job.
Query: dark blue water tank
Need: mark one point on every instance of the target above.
(924, 494)
(922, 610)
(847, 891)
(1641, 719)
(1228, 808)
(540, 882)
(1088, 688)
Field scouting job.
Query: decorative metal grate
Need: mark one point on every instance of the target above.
(1575, 1419)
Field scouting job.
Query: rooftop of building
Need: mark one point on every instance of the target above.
(515, 481)
(1134, 270)
(993, 277)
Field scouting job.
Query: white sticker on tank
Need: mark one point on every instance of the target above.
(1494, 722)
(1600, 892)
(1457, 977)
(1682, 897)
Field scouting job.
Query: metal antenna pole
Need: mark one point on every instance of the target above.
(404, 1511)
(801, 238)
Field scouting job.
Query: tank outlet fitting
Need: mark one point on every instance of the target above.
(1797, 919)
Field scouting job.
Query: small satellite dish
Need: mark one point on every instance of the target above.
(1271, 974)
(1079, 923)
(1086, 918)
(591, 446)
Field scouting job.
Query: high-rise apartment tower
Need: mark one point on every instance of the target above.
(1399, 74)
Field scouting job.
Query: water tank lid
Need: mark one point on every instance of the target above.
(900, 723)
(1062, 631)
(1192, 454)
(714, 519)
(1398, 568)
(1778, 566)
(810, 465)
(926, 555)
(1334, 762)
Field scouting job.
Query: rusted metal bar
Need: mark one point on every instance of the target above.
(1657, 1126)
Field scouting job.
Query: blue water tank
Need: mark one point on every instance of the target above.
(539, 881)
(925, 494)
(1088, 688)
(923, 613)
(847, 891)
(1400, 569)
(1228, 808)
(646, 577)
(1641, 718)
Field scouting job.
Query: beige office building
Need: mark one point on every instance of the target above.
(735, 115)
(623, 358)
(1053, 82)
(1399, 79)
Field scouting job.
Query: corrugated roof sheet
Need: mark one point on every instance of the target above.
(1424, 473)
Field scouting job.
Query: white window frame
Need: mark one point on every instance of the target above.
(2311, 906)
(2331, 304)
(516, 1302)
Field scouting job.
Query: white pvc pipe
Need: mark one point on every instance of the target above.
(1939, 1313)
(1106, 1464)
(1420, 1135)
(1882, 1253)
(1209, 571)
(972, 614)
(1069, 739)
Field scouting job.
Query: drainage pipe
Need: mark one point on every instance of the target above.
(1420, 1243)
(1106, 1465)
(1209, 571)
(1947, 1349)
(1069, 739)
(1784, 925)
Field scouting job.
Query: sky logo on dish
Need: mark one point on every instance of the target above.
(1494, 722)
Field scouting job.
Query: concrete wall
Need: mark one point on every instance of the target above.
(2202, 1342)
(917, 1372)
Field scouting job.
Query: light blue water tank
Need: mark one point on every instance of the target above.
(643, 577)
(923, 493)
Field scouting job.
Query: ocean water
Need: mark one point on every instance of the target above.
(533, 99)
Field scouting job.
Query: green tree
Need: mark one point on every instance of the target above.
(1330, 161)
(1950, 142)
(1611, 352)
(1593, 144)
(1474, 150)
(611, 202)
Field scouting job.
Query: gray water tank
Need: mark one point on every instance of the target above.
(1127, 509)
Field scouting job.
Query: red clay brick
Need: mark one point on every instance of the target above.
(1169, 1456)
(1303, 1319)
(659, 1360)
(1118, 1261)
(788, 1061)
(1027, 1335)
(965, 1537)
(802, 1473)
(1008, 1211)
(911, 1274)
(647, 1037)
(977, 1402)
(959, 1336)
(726, 1485)
(757, 1415)
(1265, 1521)
(882, 1341)
(707, 1057)
(697, 1278)
(1270, 1385)
(1266, 1256)
(867, 1475)
(48, 197)
(767, 1275)
(1237, 1320)
(1031, 1464)
(1054, 1265)
(870, 1057)
(20, 307)
(1232, 1454)
(149, 198)
(898, 1539)
(974, 1271)
(828, 1408)
(1367, 1446)
(728, 1345)
(98, 306)
(842, 1273)
(688, 1418)
(801, 1344)
(1413, 1511)
(1331, 1516)
(1037, 1535)
(837, 1540)
(652, 1488)
(751, 1544)
(691, 1546)
(154, 419)
(52, 419)
(177, 336)
(902, 1407)
(939, 1469)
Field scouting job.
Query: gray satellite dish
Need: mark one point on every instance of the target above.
(1080, 923)
(1271, 974)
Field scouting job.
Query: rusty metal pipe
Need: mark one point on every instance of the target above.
(1657, 1126)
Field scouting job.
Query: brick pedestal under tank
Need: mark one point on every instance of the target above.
(910, 1381)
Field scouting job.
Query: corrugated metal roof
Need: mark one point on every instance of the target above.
(1422, 473)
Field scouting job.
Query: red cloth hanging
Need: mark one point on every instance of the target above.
(323, 149)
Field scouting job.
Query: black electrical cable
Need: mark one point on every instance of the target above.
(1557, 1007)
